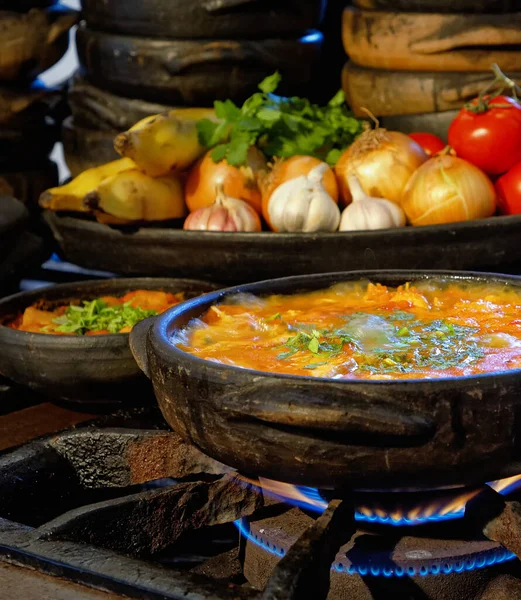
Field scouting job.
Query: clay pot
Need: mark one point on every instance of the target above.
(441, 6)
(192, 19)
(85, 148)
(97, 109)
(95, 369)
(432, 42)
(330, 433)
(32, 42)
(486, 244)
(195, 72)
(386, 92)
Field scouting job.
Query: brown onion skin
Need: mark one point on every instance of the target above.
(428, 188)
(383, 161)
(238, 182)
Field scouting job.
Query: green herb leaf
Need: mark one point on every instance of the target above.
(96, 315)
(227, 111)
(338, 99)
(270, 83)
(273, 317)
(314, 345)
(237, 151)
(312, 366)
(280, 127)
(219, 152)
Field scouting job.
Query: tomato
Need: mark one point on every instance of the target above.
(489, 138)
(431, 143)
(508, 188)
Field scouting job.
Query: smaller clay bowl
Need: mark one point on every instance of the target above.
(94, 370)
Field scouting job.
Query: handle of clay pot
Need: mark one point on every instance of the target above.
(138, 339)
(327, 408)
(222, 6)
(221, 51)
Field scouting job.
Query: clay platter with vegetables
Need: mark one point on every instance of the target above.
(281, 186)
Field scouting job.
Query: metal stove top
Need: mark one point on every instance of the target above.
(122, 504)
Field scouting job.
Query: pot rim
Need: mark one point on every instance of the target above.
(148, 233)
(29, 297)
(164, 327)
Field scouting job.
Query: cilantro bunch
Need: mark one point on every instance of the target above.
(96, 315)
(279, 127)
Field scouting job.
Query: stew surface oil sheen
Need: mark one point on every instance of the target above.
(366, 331)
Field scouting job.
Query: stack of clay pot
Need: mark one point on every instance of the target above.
(139, 57)
(414, 63)
(33, 36)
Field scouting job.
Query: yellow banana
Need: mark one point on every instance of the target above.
(165, 142)
(70, 196)
(134, 196)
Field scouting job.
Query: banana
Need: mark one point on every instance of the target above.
(165, 142)
(70, 196)
(134, 196)
(106, 219)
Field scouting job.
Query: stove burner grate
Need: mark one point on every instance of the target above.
(79, 505)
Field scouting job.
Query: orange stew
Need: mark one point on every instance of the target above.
(366, 331)
(107, 314)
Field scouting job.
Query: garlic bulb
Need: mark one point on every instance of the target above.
(225, 214)
(366, 212)
(302, 204)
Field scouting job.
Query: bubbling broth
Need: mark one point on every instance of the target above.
(362, 330)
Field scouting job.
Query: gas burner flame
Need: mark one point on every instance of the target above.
(408, 510)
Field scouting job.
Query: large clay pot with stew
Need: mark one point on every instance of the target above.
(327, 433)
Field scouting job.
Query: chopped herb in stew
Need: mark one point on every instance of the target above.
(99, 316)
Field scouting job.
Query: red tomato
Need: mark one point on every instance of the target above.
(431, 143)
(508, 188)
(491, 139)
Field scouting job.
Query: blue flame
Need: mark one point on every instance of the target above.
(312, 37)
(315, 502)
(318, 504)
(495, 556)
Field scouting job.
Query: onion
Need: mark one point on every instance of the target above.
(238, 182)
(225, 214)
(383, 161)
(447, 189)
